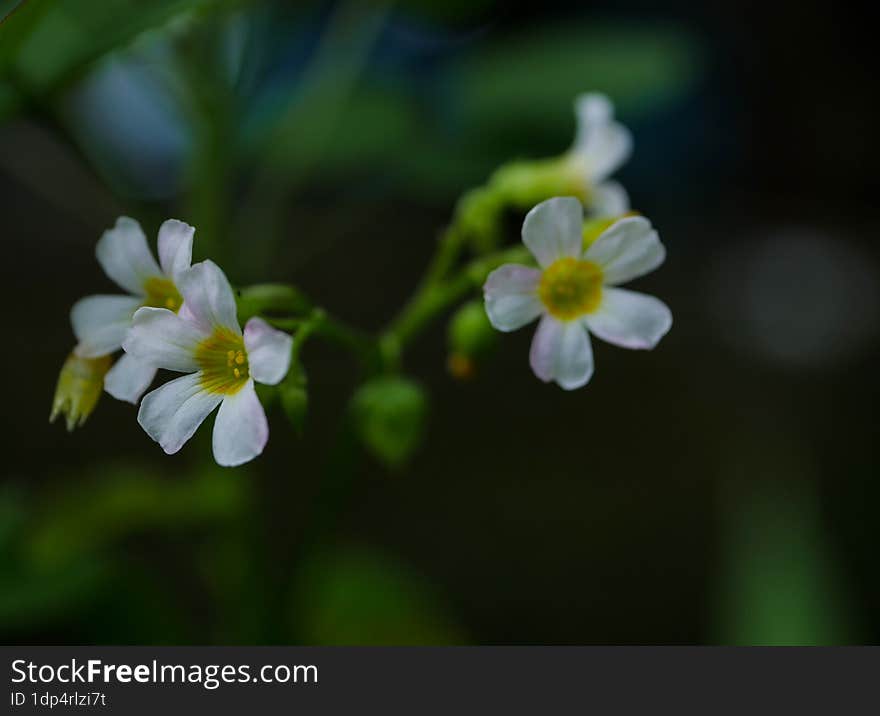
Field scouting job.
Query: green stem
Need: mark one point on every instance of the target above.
(431, 300)
(320, 323)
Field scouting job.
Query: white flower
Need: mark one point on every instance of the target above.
(573, 290)
(101, 322)
(205, 341)
(601, 146)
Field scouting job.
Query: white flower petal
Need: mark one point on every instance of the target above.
(164, 339)
(609, 199)
(601, 144)
(241, 429)
(100, 323)
(627, 249)
(511, 298)
(175, 246)
(591, 109)
(561, 351)
(129, 378)
(629, 319)
(125, 257)
(208, 296)
(172, 413)
(552, 230)
(268, 351)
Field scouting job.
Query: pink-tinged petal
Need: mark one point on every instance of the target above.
(552, 230)
(627, 249)
(208, 296)
(609, 199)
(164, 339)
(129, 378)
(511, 298)
(175, 246)
(601, 143)
(171, 414)
(561, 352)
(125, 257)
(629, 319)
(241, 429)
(100, 323)
(268, 351)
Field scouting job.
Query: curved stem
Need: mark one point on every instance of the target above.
(431, 300)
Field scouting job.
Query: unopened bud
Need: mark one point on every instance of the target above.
(79, 387)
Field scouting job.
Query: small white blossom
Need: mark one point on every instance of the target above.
(574, 292)
(100, 323)
(205, 341)
(601, 146)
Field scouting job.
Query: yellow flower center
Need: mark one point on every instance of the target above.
(222, 359)
(161, 292)
(570, 288)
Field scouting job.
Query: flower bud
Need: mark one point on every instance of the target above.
(79, 387)
(471, 338)
(389, 416)
(525, 184)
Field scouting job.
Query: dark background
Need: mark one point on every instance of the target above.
(721, 489)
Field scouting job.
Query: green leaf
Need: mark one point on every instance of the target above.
(389, 417)
(358, 596)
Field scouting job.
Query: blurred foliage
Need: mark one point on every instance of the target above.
(779, 582)
(125, 499)
(295, 397)
(358, 596)
(515, 82)
(49, 43)
(59, 550)
(389, 415)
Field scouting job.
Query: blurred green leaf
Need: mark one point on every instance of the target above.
(359, 596)
(31, 595)
(389, 417)
(126, 500)
(51, 42)
(368, 126)
(12, 516)
(781, 585)
(532, 80)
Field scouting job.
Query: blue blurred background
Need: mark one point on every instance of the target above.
(721, 489)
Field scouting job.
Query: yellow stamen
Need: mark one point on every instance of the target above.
(160, 292)
(571, 288)
(222, 359)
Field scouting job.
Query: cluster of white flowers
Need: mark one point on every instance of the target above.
(574, 289)
(182, 318)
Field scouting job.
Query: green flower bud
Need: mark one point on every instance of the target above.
(479, 217)
(79, 388)
(471, 339)
(525, 184)
(389, 416)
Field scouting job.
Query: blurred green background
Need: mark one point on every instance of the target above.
(721, 489)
